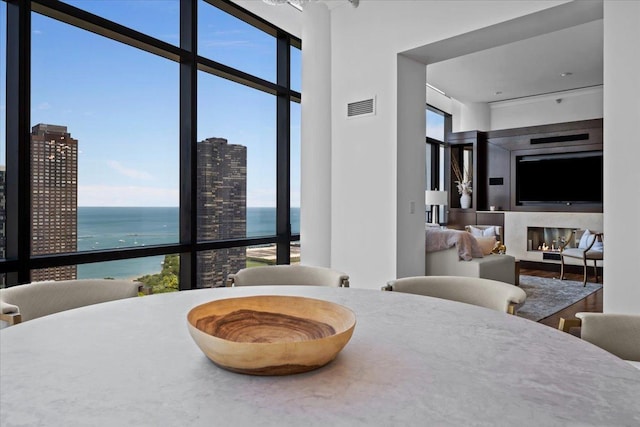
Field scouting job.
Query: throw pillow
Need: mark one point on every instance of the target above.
(597, 246)
(479, 232)
(586, 240)
(486, 244)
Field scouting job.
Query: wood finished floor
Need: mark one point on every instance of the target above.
(592, 303)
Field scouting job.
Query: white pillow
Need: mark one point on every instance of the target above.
(586, 240)
(479, 232)
(486, 243)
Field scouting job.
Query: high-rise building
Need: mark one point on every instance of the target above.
(54, 197)
(222, 207)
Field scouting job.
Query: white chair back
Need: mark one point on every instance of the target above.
(39, 299)
(486, 293)
(616, 333)
(289, 275)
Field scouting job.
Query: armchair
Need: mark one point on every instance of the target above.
(590, 248)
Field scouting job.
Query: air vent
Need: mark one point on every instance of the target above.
(563, 138)
(363, 108)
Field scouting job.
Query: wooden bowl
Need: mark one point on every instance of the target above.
(269, 334)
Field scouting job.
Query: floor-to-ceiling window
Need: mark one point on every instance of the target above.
(151, 140)
(438, 124)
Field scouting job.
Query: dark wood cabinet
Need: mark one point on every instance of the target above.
(492, 156)
(498, 184)
(507, 145)
(469, 151)
(458, 218)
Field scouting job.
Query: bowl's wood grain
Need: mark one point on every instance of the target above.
(264, 327)
(271, 335)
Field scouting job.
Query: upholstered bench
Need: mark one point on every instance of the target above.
(448, 263)
(459, 253)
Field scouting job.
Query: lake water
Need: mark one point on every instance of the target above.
(102, 228)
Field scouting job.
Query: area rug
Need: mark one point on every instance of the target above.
(548, 296)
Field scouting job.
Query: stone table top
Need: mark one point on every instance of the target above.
(412, 360)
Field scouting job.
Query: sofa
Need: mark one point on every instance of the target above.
(458, 253)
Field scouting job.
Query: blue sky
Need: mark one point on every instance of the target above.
(435, 125)
(121, 104)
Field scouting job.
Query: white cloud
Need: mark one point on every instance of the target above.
(131, 173)
(127, 196)
(139, 196)
(37, 32)
(44, 106)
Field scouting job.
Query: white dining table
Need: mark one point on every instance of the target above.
(412, 360)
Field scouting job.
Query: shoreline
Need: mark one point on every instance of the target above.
(265, 254)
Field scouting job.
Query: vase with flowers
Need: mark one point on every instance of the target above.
(463, 183)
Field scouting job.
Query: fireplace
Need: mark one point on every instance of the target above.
(550, 239)
(520, 228)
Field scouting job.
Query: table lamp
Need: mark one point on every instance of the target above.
(436, 199)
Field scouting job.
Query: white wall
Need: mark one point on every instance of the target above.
(621, 154)
(438, 100)
(365, 42)
(580, 104)
(315, 150)
(411, 157)
(470, 116)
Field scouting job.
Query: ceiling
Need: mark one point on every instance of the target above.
(528, 67)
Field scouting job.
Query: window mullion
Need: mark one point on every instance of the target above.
(188, 137)
(283, 167)
(18, 178)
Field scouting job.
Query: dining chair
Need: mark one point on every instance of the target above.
(618, 334)
(590, 248)
(32, 300)
(486, 293)
(288, 275)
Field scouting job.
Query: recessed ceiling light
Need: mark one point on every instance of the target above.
(567, 74)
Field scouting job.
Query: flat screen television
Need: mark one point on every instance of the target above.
(561, 178)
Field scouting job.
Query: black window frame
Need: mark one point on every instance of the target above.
(19, 262)
(436, 147)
